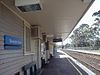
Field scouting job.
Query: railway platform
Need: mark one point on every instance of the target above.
(62, 66)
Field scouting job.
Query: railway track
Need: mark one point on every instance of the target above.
(92, 61)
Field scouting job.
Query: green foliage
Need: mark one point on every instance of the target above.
(96, 14)
(87, 35)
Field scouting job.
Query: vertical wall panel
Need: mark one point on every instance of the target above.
(11, 61)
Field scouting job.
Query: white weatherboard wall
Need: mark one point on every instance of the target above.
(11, 61)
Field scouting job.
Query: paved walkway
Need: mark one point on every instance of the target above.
(62, 66)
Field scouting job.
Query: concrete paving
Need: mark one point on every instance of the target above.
(62, 66)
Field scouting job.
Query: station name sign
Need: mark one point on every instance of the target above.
(12, 42)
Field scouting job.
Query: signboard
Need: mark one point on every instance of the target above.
(57, 40)
(11, 42)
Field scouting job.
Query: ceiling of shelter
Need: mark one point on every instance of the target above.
(57, 18)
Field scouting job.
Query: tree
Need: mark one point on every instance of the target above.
(88, 35)
(96, 28)
(79, 37)
(98, 15)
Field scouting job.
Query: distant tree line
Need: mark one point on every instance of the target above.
(87, 35)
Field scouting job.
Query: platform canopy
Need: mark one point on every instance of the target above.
(57, 17)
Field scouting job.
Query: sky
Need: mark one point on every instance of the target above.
(87, 18)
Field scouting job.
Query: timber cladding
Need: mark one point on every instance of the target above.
(1, 41)
(11, 61)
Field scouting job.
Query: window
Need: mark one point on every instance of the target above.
(27, 39)
(28, 49)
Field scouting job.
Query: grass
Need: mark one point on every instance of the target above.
(98, 51)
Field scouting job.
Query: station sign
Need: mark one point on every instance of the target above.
(57, 40)
(12, 42)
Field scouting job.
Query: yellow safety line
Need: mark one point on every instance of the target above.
(75, 67)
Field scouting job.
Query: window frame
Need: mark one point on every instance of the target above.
(26, 51)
